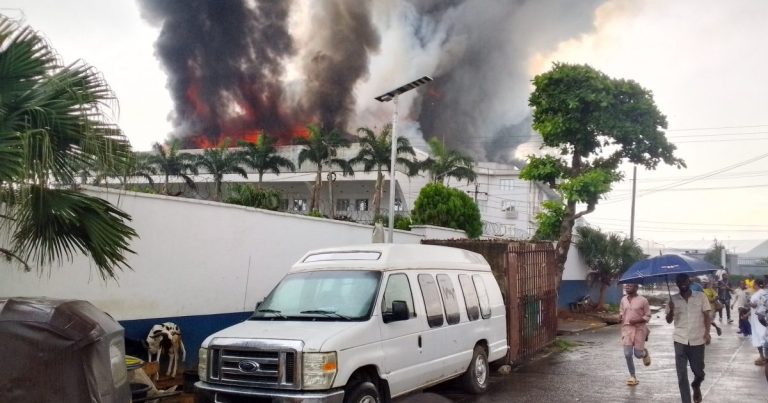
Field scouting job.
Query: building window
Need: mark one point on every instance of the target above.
(283, 204)
(507, 205)
(361, 204)
(299, 204)
(342, 205)
(506, 184)
(398, 205)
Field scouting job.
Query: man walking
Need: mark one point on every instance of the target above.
(690, 311)
(741, 307)
(634, 314)
(724, 296)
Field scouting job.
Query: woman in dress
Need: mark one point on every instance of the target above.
(758, 330)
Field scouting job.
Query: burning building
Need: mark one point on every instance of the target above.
(238, 67)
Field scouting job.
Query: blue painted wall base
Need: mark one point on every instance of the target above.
(194, 329)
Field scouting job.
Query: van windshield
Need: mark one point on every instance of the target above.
(342, 295)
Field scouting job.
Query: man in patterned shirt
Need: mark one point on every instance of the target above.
(634, 314)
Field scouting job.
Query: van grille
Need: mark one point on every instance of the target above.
(253, 363)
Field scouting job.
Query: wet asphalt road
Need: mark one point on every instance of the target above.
(595, 371)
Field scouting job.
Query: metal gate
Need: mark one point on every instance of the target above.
(526, 274)
(532, 303)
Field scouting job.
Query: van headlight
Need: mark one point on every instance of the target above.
(202, 364)
(319, 370)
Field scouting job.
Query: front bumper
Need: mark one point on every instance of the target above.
(275, 395)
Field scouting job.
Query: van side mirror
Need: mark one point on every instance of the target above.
(258, 304)
(399, 311)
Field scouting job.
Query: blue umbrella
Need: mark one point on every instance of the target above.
(662, 268)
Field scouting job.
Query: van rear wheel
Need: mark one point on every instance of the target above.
(364, 392)
(476, 378)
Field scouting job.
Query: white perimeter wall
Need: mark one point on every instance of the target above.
(193, 258)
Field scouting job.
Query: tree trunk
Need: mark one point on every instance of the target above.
(217, 195)
(564, 242)
(601, 298)
(316, 188)
(165, 186)
(377, 194)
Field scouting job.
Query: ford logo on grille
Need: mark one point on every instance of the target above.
(248, 366)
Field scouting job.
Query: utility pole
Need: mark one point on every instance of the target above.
(632, 218)
(476, 192)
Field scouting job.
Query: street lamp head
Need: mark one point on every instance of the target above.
(405, 88)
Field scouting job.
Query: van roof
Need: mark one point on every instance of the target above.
(385, 257)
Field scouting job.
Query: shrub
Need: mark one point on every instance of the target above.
(440, 205)
(253, 196)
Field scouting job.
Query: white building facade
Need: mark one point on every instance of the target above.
(508, 205)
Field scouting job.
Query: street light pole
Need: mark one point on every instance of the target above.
(392, 161)
(392, 96)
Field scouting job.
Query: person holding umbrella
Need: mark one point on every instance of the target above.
(690, 312)
(634, 314)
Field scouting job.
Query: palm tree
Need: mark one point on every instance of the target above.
(262, 156)
(53, 123)
(607, 256)
(219, 161)
(140, 165)
(376, 153)
(170, 162)
(321, 147)
(446, 163)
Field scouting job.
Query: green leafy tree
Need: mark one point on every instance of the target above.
(376, 154)
(320, 148)
(714, 253)
(440, 205)
(262, 156)
(549, 220)
(595, 123)
(172, 163)
(53, 124)
(444, 163)
(218, 162)
(253, 196)
(607, 256)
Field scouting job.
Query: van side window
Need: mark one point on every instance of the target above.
(482, 294)
(431, 300)
(470, 297)
(398, 289)
(449, 299)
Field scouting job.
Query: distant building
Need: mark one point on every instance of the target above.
(748, 256)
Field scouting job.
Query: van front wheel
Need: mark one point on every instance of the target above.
(476, 377)
(364, 392)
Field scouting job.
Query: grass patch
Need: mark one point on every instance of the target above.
(563, 345)
(612, 308)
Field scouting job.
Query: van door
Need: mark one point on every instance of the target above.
(400, 339)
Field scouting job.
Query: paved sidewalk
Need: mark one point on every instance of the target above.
(595, 371)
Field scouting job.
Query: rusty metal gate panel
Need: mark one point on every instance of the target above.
(531, 276)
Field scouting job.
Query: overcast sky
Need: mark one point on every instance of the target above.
(705, 62)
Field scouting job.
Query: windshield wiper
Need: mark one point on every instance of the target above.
(272, 311)
(330, 314)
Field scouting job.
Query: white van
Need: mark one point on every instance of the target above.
(362, 324)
